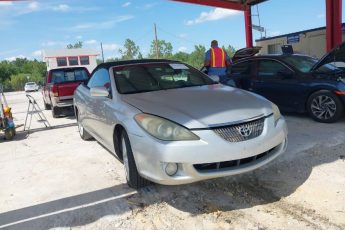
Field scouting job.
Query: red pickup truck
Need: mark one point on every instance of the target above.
(60, 85)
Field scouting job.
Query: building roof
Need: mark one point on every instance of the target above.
(69, 53)
(294, 33)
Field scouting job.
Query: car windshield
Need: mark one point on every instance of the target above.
(60, 76)
(305, 64)
(148, 77)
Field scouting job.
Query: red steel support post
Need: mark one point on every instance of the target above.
(248, 27)
(333, 23)
(337, 33)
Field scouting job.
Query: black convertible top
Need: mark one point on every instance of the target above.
(107, 65)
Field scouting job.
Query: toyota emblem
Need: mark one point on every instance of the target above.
(244, 130)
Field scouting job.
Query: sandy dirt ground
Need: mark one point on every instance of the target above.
(51, 179)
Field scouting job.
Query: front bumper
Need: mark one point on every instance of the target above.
(152, 155)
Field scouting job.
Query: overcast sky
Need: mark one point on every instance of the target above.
(27, 27)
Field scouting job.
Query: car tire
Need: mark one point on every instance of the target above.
(47, 106)
(133, 178)
(324, 106)
(10, 133)
(55, 112)
(82, 132)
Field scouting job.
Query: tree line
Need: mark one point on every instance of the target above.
(14, 74)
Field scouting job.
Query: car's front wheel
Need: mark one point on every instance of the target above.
(133, 178)
(324, 106)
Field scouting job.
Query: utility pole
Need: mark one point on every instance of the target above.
(257, 11)
(156, 41)
(102, 52)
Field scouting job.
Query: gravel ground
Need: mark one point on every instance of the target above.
(51, 179)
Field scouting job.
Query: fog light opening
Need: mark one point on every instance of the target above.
(171, 169)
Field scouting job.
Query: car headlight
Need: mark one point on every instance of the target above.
(164, 129)
(276, 113)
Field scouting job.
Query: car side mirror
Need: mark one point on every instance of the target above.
(215, 78)
(99, 91)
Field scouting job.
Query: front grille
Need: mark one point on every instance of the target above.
(241, 132)
(231, 165)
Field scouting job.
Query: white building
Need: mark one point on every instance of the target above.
(63, 58)
(310, 42)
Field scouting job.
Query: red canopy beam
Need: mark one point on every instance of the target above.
(216, 3)
(233, 6)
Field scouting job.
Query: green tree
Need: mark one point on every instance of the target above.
(230, 50)
(181, 56)
(6, 70)
(196, 58)
(13, 74)
(130, 50)
(164, 49)
(76, 45)
(18, 81)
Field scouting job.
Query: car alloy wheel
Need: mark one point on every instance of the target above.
(80, 128)
(323, 107)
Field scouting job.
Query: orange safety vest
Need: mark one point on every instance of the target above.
(218, 58)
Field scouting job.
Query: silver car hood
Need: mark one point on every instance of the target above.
(202, 106)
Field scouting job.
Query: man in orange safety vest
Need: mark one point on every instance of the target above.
(217, 61)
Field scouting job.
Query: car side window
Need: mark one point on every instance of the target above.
(271, 68)
(100, 78)
(243, 68)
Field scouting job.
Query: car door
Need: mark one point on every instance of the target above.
(241, 74)
(277, 82)
(99, 107)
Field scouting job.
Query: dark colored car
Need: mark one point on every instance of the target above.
(59, 87)
(295, 83)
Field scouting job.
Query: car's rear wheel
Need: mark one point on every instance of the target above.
(82, 132)
(56, 112)
(133, 178)
(47, 106)
(324, 106)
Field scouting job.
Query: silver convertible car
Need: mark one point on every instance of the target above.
(171, 124)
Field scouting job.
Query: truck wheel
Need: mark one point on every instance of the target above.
(133, 178)
(55, 112)
(10, 133)
(47, 106)
(324, 106)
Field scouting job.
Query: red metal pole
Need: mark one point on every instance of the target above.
(333, 23)
(329, 24)
(248, 27)
(337, 12)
